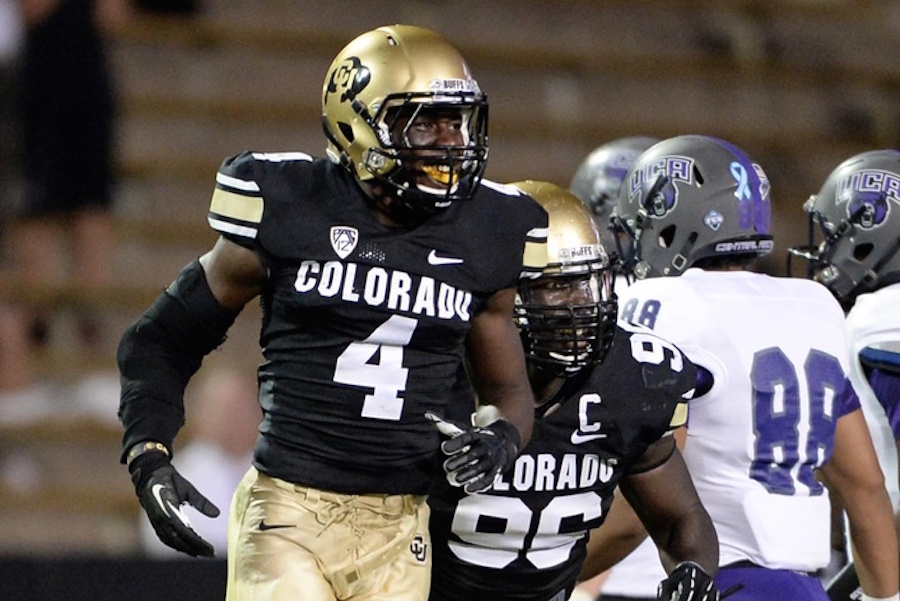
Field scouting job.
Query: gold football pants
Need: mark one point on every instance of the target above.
(288, 542)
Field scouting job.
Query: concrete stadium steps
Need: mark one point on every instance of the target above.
(63, 490)
(248, 77)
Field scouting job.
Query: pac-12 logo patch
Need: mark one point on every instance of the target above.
(343, 239)
(419, 548)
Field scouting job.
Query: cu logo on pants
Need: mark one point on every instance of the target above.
(418, 548)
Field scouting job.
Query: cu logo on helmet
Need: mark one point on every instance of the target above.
(868, 193)
(351, 77)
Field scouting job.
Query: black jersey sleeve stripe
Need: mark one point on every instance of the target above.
(235, 184)
(226, 227)
(538, 234)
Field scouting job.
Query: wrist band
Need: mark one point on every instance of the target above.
(146, 447)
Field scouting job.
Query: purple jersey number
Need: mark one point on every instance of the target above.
(777, 413)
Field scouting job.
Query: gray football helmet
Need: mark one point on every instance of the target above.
(856, 215)
(598, 178)
(567, 316)
(687, 199)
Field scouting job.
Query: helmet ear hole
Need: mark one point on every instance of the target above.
(666, 236)
(862, 251)
(347, 131)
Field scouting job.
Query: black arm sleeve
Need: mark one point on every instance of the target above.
(159, 354)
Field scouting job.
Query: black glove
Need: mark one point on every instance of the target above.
(477, 454)
(162, 491)
(688, 582)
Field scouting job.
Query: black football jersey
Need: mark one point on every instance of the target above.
(363, 324)
(525, 538)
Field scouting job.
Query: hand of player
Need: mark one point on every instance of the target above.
(688, 582)
(162, 491)
(477, 455)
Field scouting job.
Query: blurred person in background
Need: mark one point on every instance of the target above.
(60, 234)
(775, 410)
(854, 250)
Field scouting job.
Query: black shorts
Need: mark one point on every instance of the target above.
(68, 112)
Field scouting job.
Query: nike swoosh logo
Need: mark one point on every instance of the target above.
(263, 526)
(434, 259)
(156, 491)
(579, 438)
(167, 507)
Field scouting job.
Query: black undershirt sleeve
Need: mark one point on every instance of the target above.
(159, 354)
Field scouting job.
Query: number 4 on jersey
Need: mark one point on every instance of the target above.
(386, 376)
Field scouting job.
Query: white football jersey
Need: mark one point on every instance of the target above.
(873, 321)
(776, 348)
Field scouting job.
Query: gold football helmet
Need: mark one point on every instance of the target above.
(376, 87)
(567, 316)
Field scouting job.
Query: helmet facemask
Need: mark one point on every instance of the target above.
(855, 218)
(426, 178)
(567, 320)
(628, 234)
(382, 81)
(843, 261)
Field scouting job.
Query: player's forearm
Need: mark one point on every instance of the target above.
(517, 408)
(620, 534)
(691, 538)
(874, 541)
(609, 551)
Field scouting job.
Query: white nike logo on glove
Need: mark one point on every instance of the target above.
(167, 507)
(434, 259)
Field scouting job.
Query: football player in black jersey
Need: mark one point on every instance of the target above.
(378, 268)
(606, 400)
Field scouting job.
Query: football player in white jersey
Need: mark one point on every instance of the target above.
(856, 216)
(776, 415)
(596, 183)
